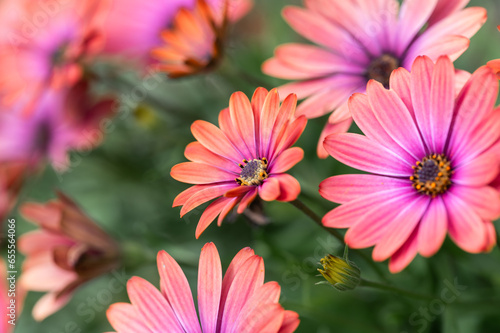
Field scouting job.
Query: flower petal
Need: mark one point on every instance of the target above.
(151, 306)
(364, 154)
(465, 227)
(49, 304)
(210, 214)
(404, 255)
(270, 190)
(209, 287)
(286, 160)
(242, 117)
(198, 173)
(330, 128)
(479, 172)
(196, 152)
(205, 195)
(345, 188)
(289, 187)
(290, 322)
(433, 228)
(484, 200)
(214, 139)
(124, 318)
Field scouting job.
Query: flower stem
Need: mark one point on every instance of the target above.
(317, 219)
(399, 291)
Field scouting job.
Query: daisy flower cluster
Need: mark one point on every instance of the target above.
(99, 98)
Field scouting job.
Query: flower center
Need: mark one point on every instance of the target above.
(432, 175)
(253, 172)
(381, 68)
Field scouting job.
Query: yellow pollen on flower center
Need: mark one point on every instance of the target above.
(432, 175)
(253, 172)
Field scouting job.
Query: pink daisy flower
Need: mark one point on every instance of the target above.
(362, 40)
(135, 37)
(248, 155)
(68, 250)
(432, 157)
(58, 122)
(240, 302)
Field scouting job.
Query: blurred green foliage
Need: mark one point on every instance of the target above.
(126, 187)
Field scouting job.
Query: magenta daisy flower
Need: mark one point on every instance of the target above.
(362, 40)
(248, 155)
(239, 302)
(432, 158)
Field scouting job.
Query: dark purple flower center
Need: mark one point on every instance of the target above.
(381, 68)
(253, 172)
(432, 175)
(43, 137)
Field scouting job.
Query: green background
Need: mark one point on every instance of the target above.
(126, 187)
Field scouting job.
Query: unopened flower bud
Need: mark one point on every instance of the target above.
(341, 273)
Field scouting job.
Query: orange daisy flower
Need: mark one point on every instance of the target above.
(195, 42)
(248, 155)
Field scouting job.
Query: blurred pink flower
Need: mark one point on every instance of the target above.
(248, 155)
(68, 250)
(135, 37)
(432, 155)
(362, 40)
(52, 53)
(240, 302)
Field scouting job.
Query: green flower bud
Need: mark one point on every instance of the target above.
(341, 273)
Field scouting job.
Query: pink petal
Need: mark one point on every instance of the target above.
(46, 275)
(230, 204)
(353, 211)
(175, 288)
(289, 187)
(398, 122)
(234, 267)
(479, 172)
(400, 82)
(484, 200)
(152, 307)
(247, 200)
(373, 223)
(412, 17)
(465, 227)
(196, 152)
(210, 214)
(258, 100)
(283, 131)
(345, 188)
(267, 318)
(275, 67)
(205, 195)
(290, 322)
(364, 154)
(234, 137)
(306, 88)
(491, 237)
(433, 228)
(329, 128)
(269, 112)
(49, 304)
(242, 116)
(420, 85)
(246, 281)
(209, 287)
(45, 215)
(198, 173)
(319, 30)
(444, 8)
(289, 136)
(286, 160)
(404, 255)
(451, 45)
(366, 119)
(270, 190)
(442, 103)
(401, 228)
(315, 60)
(124, 318)
(332, 96)
(41, 240)
(214, 139)
(238, 191)
(265, 294)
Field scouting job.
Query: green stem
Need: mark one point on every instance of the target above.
(317, 219)
(396, 290)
